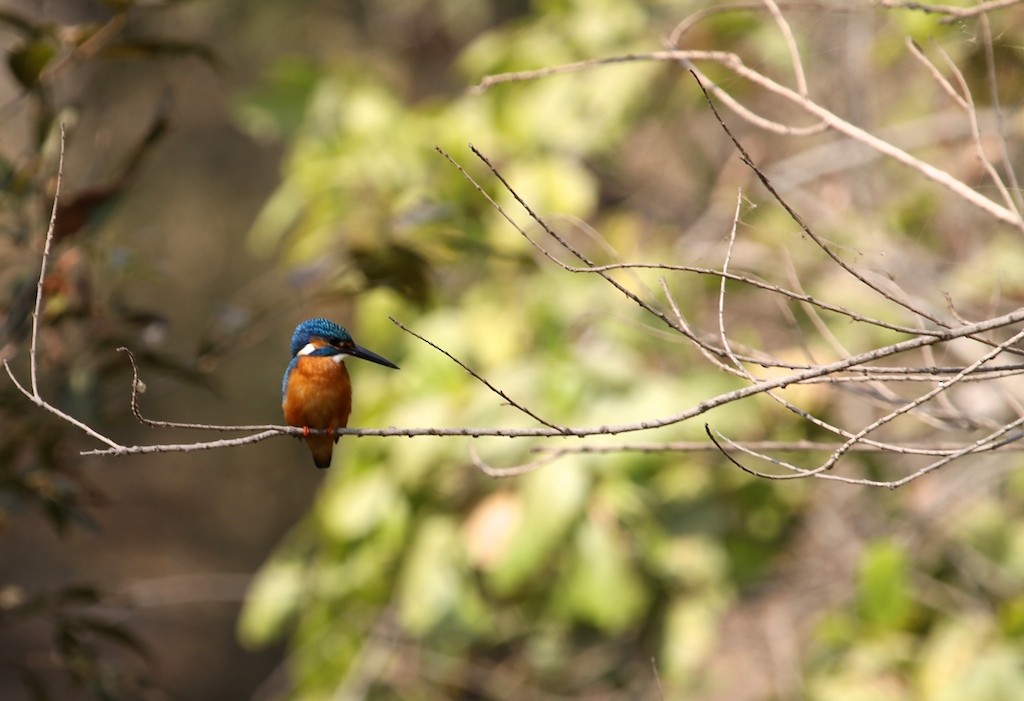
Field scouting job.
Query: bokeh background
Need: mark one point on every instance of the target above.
(234, 167)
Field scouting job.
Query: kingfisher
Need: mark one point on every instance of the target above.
(316, 392)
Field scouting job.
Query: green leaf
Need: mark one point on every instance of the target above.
(430, 581)
(997, 676)
(277, 107)
(552, 500)
(690, 631)
(272, 602)
(963, 661)
(357, 504)
(552, 185)
(280, 214)
(29, 60)
(603, 588)
(1011, 617)
(884, 592)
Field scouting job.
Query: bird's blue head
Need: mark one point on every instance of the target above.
(322, 337)
(323, 329)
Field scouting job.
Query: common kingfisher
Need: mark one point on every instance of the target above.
(316, 392)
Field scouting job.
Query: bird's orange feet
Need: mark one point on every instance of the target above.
(306, 431)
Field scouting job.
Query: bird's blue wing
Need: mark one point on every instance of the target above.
(287, 373)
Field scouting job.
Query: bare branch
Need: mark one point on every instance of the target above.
(735, 64)
(894, 389)
(800, 473)
(476, 376)
(43, 404)
(514, 471)
(791, 47)
(702, 407)
(34, 396)
(979, 146)
(45, 259)
(766, 446)
(954, 12)
(993, 94)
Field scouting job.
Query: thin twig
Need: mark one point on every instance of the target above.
(34, 396)
(43, 404)
(479, 378)
(954, 13)
(801, 473)
(47, 241)
(947, 87)
(514, 471)
(734, 63)
(799, 446)
(860, 277)
(997, 110)
(979, 145)
(794, 53)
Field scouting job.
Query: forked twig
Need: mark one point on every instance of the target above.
(34, 396)
(735, 64)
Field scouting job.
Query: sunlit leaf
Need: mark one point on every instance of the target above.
(962, 660)
(552, 500)
(272, 601)
(429, 584)
(602, 587)
(279, 214)
(997, 676)
(1011, 616)
(884, 591)
(690, 631)
(358, 504)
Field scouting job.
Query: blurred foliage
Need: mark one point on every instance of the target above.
(83, 320)
(100, 657)
(417, 577)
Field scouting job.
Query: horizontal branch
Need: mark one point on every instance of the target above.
(928, 403)
(800, 446)
(953, 13)
(703, 407)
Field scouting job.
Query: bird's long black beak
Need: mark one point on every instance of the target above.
(360, 352)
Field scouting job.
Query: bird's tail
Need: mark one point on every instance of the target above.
(322, 448)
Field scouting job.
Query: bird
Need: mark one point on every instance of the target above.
(316, 392)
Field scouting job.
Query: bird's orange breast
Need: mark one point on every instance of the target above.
(318, 394)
